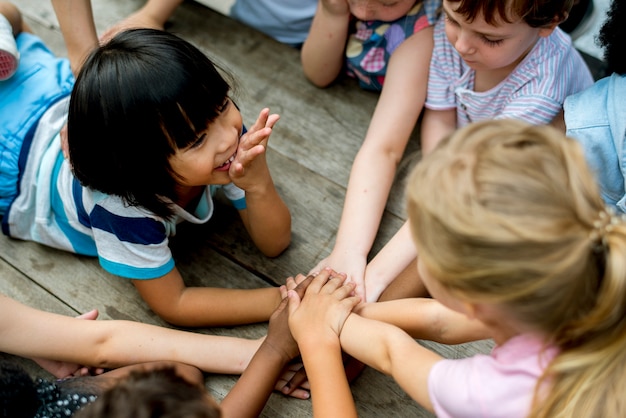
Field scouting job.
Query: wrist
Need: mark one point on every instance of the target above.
(313, 341)
(275, 352)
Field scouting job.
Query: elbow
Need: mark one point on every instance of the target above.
(317, 76)
(319, 82)
(277, 246)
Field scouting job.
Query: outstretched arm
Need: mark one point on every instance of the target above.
(391, 261)
(426, 319)
(29, 332)
(78, 29)
(249, 395)
(186, 306)
(392, 351)
(323, 50)
(375, 165)
(266, 216)
(315, 322)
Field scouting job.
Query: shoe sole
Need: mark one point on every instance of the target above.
(8, 65)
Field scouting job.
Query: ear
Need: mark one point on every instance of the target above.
(546, 31)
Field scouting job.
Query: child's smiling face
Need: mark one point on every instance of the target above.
(485, 46)
(208, 160)
(382, 10)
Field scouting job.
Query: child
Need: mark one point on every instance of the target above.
(156, 393)
(392, 45)
(490, 60)
(118, 343)
(147, 155)
(500, 60)
(596, 117)
(23, 397)
(511, 231)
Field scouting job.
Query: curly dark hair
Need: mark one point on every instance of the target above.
(612, 37)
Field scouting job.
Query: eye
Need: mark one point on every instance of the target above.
(492, 43)
(199, 141)
(224, 105)
(450, 20)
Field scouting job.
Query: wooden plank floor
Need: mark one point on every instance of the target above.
(310, 155)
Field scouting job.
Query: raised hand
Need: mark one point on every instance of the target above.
(249, 169)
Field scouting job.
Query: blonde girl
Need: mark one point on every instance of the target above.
(511, 231)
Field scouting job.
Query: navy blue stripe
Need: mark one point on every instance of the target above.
(143, 231)
(77, 194)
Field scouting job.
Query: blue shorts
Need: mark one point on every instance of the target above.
(40, 81)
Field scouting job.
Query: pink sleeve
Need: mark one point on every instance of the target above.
(452, 388)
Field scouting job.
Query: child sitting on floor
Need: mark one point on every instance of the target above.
(144, 156)
(491, 60)
(511, 232)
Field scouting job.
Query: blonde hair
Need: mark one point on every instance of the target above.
(509, 213)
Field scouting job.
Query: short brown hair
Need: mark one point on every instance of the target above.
(155, 393)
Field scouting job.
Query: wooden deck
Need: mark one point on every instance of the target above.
(310, 155)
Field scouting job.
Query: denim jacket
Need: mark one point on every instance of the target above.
(596, 118)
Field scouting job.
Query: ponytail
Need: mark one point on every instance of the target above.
(588, 377)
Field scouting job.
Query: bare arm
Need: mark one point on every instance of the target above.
(375, 165)
(436, 125)
(392, 351)
(323, 51)
(389, 263)
(153, 14)
(169, 298)
(29, 332)
(426, 319)
(266, 217)
(249, 395)
(78, 29)
(315, 322)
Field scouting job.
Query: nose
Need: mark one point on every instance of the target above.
(463, 43)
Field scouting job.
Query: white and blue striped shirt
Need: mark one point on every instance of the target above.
(52, 208)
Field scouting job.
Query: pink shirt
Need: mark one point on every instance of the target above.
(501, 384)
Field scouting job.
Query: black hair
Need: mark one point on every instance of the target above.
(23, 397)
(612, 37)
(18, 395)
(137, 100)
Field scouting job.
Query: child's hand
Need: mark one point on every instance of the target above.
(293, 381)
(249, 167)
(278, 335)
(351, 264)
(328, 301)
